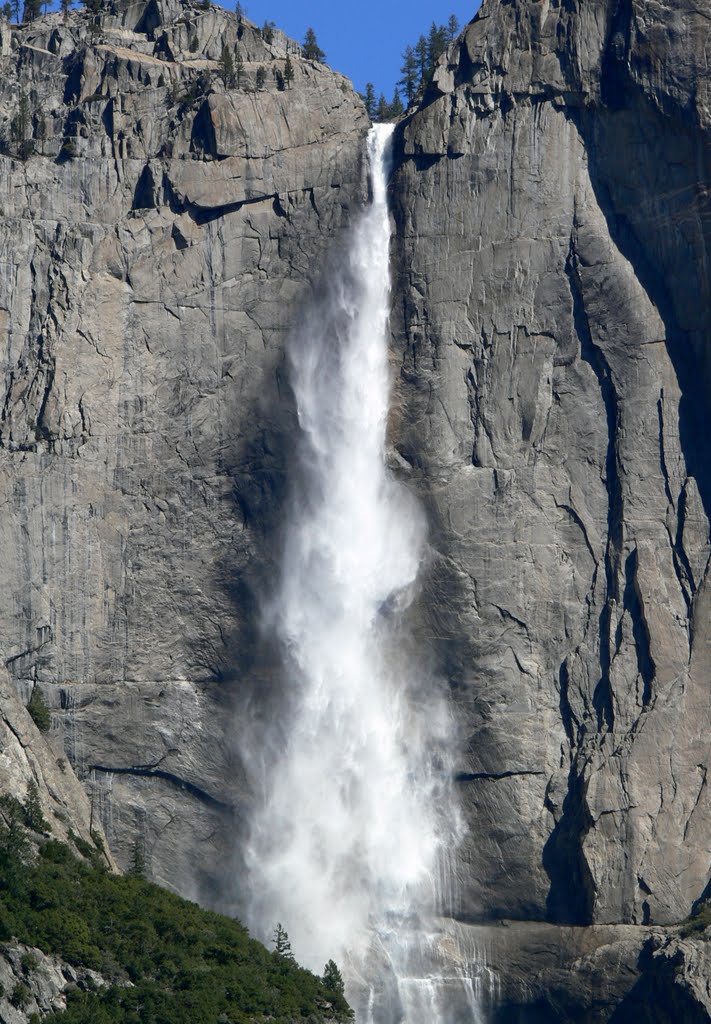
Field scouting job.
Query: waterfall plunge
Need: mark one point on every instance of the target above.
(347, 844)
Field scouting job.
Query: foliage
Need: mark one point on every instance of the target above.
(32, 808)
(410, 78)
(418, 61)
(239, 66)
(24, 147)
(39, 712)
(68, 150)
(268, 32)
(381, 110)
(288, 72)
(396, 107)
(699, 921)
(194, 44)
(7, 11)
(369, 100)
(311, 50)
(185, 965)
(21, 996)
(227, 68)
(282, 946)
(332, 978)
(261, 76)
(137, 868)
(30, 10)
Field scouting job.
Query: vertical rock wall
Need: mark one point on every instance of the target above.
(551, 334)
(156, 243)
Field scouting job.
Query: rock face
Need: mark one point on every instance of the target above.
(29, 765)
(34, 984)
(156, 243)
(551, 340)
(160, 230)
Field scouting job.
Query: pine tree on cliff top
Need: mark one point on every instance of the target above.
(311, 49)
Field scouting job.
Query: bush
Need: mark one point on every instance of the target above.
(32, 809)
(39, 711)
(698, 922)
(21, 996)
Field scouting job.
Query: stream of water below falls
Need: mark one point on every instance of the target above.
(349, 847)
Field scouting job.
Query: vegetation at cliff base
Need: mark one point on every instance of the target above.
(165, 960)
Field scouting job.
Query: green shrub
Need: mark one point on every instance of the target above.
(32, 809)
(29, 963)
(21, 996)
(699, 921)
(39, 711)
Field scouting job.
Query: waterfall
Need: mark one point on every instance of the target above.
(348, 842)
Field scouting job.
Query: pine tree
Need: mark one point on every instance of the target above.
(261, 76)
(15, 5)
(369, 100)
(409, 73)
(452, 28)
(64, 6)
(19, 133)
(7, 12)
(436, 45)
(382, 112)
(421, 59)
(93, 7)
(239, 67)
(137, 867)
(227, 68)
(239, 10)
(40, 134)
(282, 946)
(311, 49)
(268, 32)
(332, 978)
(396, 107)
(34, 818)
(30, 10)
(288, 72)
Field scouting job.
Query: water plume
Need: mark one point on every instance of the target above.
(355, 815)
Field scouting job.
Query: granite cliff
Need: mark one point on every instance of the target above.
(552, 199)
(551, 363)
(156, 247)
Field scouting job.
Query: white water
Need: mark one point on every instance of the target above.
(348, 845)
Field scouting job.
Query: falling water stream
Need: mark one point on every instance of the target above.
(349, 843)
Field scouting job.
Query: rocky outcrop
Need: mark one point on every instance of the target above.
(552, 343)
(31, 770)
(159, 232)
(33, 984)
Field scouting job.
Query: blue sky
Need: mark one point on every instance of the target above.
(364, 40)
